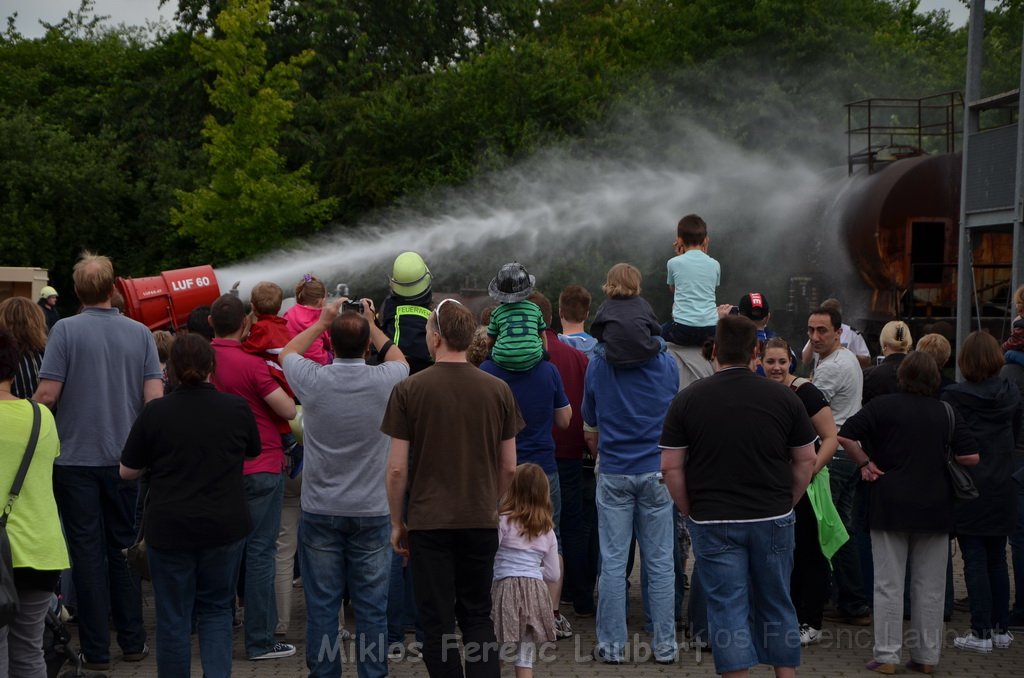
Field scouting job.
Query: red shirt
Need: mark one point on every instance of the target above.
(246, 375)
(267, 336)
(572, 366)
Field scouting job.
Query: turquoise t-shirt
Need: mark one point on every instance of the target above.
(695, 276)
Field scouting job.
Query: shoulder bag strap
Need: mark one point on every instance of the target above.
(30, 450)
(952, 426)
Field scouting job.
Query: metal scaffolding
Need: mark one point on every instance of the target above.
(992, 185)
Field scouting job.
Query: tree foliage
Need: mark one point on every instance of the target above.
(237, 122)
(252, 199)
(361, 43)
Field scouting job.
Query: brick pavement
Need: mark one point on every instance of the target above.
(843, 652)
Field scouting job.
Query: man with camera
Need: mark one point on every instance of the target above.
(346, 526)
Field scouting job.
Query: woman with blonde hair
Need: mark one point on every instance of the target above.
(26, 322)
(881, 379)
(938, 347)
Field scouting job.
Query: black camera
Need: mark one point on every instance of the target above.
(352, 305)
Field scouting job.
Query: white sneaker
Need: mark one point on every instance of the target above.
(809, 634)
(1002, 640)
(563, 629)
(973, 643)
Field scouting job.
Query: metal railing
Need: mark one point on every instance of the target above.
(888, 129)
(989, 287)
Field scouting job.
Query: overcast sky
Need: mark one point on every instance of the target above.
(136, 12)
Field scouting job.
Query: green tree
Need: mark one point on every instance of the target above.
(253, 202)
(361, 42)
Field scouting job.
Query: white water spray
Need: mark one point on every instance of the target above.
(539, 209)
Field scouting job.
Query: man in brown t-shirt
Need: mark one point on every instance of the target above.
(453, 447)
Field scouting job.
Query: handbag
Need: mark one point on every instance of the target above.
(963, 484)
(136, 553)
(8, 591)
(136, 557)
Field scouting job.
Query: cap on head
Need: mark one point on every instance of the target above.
(410, 276)
(47, 292)
(754, 306)
(513, 283)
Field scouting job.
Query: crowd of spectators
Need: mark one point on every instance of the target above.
(393, 493)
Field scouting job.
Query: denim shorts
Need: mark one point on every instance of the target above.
(745, 570)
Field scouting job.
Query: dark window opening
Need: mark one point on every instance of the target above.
(927, 249)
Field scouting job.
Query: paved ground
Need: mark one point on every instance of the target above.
(843, 652)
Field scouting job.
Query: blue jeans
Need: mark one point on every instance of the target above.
(97, 509)
(679, 565)
(679, 562)
(687, 335)
(988, 583)
(201, 582)
(401, 604)
(339, 553)
(263, 492)
(745, 570)
(625, 504)
(843, 479)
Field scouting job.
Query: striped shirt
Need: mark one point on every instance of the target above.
(26, 375)
(516, 327)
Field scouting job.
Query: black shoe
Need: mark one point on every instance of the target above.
(584, 609)
(861, 619)
(93, 666)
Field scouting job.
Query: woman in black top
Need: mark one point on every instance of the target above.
(879, 380)
(809, 582)
(991, 406)
(910, 506)
(193, 442)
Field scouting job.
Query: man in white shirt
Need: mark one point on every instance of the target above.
(839, 377)
(849, 338)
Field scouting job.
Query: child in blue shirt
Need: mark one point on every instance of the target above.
(692, 277)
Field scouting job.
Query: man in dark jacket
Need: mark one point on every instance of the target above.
(48, 302)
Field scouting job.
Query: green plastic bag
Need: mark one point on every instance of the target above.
(832, 533)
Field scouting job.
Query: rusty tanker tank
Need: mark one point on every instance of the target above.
(900, 229)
